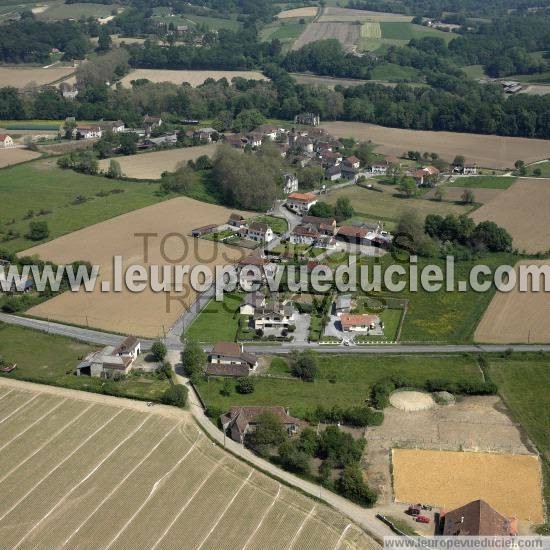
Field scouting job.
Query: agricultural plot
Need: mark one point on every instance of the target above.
(495, 152)
(509, 483)
(103, 473)
(310, 11)
(526, 199)
(146, 313)
(152, 165)
(194, 78)
(334, 13)
(22, 77)
(348, 34)
(9, 157)
(57, 11)
(529, 311)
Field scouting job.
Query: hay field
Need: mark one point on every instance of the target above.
(348, 34)
(523, 210)
(20, 77)
(95, 472)
(517, 317)
(195, 78)
(509, 483)
(144, 313)
(152, 165)
(481, 195)
(334, 13)
(8, 157)
(495, 152)
(298, 12)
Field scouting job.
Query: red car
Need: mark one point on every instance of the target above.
(422, 519)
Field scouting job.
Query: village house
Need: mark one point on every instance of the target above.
(252, 301)
(379, 168)
(229, 359)
(152, 121)
(325, 241)
(330, 158)
(170, 138)
(110, 362)
(270, 131)
(254, 139)
(477, 518)
(115, 126)
(465, 169)
(301, 202)
(88, 132)
(352, 161)
(352, 234)
(333, 173)
(307, 119)
(325, 226)
(290, 183)
(274, 316)
(426, 176)
(236, 220)
(236, 140)
(260, 232)
(364, 323)
(348, 172)
(205, 134)
(240, 421)
(6, 141)
(304, 234)
(204, 230)
(68, 91)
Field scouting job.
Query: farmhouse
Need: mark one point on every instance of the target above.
(330, 158)
(379, 168)
(110, 362)
(254, 139)
(353, 235)
(360, 323)
(229, 359)
(205, 134)
(236, 220)
(308, 119)
(325, 226)
(89, 132)
(349, 173)
(236, 140)
(426, 176)
(115, 126)
(304, 234)
(477, 518)
(260, 232)
(242, 420)
(204, 230)
(301, 202)
(274, 316)
(465, 169)
(152, 121)
(333, 173)
(252, 301)
(270, 131)
(290, 183)
(5, 141)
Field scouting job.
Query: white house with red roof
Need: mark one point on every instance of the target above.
(6, 141)
(301, 202)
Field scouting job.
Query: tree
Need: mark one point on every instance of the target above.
(293, 458)
(352, 485)
(247, 120)
(537, 172)
(468, 196)
(407, 186)
(303, 364)
(115, 171)
(175, 395)
(226, 388)
(193, 358)
(459, 160)
(245, 385)
(322, 210)
(493, 237)
(310, 178)
(128, 143)
(104, 41)
(166, 370)
(158, 349)
(410, 235)
(365, 153)
(343, 209)
(38, 231)
(394, 171)
(269, 431)
(520, 167)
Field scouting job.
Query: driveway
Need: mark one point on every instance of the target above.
(302, 322)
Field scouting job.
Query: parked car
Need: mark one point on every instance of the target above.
(422, 519)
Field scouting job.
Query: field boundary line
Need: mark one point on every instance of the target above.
(59, 465)
(153, 490)
(47, 442)
(341, 539)
(86, 477)
(300, 529)
(226, 509)
(19, 408)
(269, 508)
(184, 507)
(7, 393)
(33, 424)
(120, 483)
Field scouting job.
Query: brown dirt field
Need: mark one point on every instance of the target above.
(146, 313)
(15, 156)
(195, 78)
(523, 210)
(537, 89)
(516, 317)
(496, 152)
(509, 483)
(346, 14)
(455, 194)
(347, 33)
(298, 12)
(152, 165)
(21, 77)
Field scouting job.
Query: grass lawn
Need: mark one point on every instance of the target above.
(285, 31)
(278, 225)
(343, 380)
(218, 321)
(391, 319)
(401, 30)
(474, 71)
(483, 182)
(47, 358)
(38, 185)
(391, 71)
(523, 384)
(214, 23)
(544, 168)
(76, 11)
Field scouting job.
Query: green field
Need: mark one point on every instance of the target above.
(391, 319)
(343, 380)
(537, 78)
(278, 225)
(393, 72)
(214, 23)
(41, 185)
(76, 11)
(484, 182)
(523, 384)
(218, 321)
(287, 31)
(401, 30)
(544, 168)
(50, 359)
(474, 71)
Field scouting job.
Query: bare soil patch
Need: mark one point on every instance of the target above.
(298, 12)
(523, 210)
(152, 165)
(509, 483)
(15, 156)
(348, 34)
(517, 317)
(20, 77)
(412, 401)
(487, 151)
(146, 313)
(195, 78)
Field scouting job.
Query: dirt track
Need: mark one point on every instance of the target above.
(488, 151)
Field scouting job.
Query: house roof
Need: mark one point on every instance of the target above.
(352, 160)
(251, 413)
(259, 227)
(333, 170)
(254, 298)
(3, 137)
(355, 232)
(227, 348)
(236, 217)
(303, 197)
(364, 319)
(240, 369)
(315, 220)
(426, 171)
(253, 259)
(305, 231)
(127, 345)
(476, 518)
